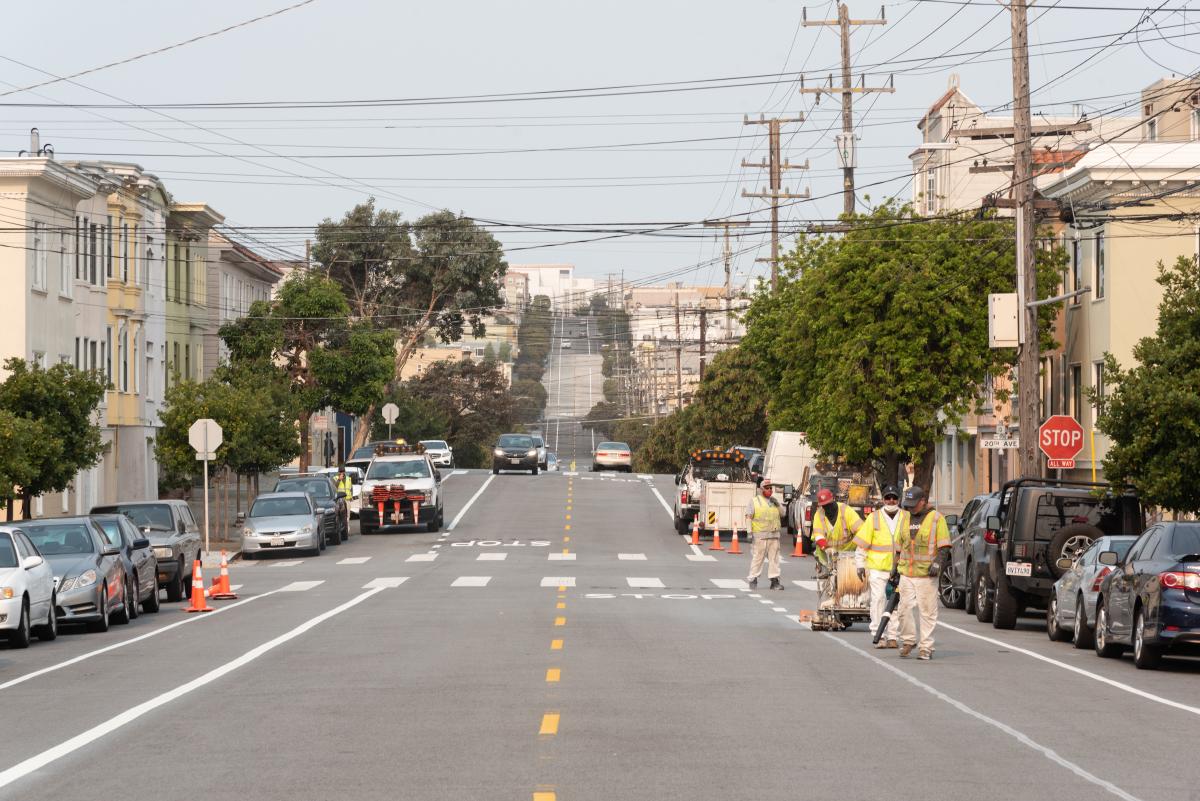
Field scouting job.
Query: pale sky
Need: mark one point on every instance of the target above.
(411, 157)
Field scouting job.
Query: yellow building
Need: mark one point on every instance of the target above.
(186, 283)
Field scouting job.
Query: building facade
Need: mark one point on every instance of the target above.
(189, 226)
(237, 277)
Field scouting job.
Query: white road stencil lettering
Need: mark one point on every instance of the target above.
(288, 563)
(806, 585)
(561, 557)
(384, 583)
(558, 581)
(632, 557)
(729, 584)
(301, 586)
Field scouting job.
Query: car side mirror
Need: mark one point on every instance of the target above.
(1107, 558)
(437, 474)
(30, 562)
(678, 480)
(1065, 564)
(110, 550)
(141, 543)
(952, 521)
(993, 522)
(182, 528)
(341, 494)
(240, 518)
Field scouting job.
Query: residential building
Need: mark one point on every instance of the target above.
(557, 282)
(237, 277)
(516, 291)
(1171, 110)
(189, 226)
(421, 358)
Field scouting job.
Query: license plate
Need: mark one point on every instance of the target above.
(276, 542)
(1018, 568)
(514, 461)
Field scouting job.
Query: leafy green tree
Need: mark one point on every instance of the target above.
(504, 353)
(489, 353)
(598, 303)
(611, 389)
(1152, 410)
(667, 443)
(602, 417)
(583, 310)
(730, 405)
(474, 400)
(57, 405)
(419, 417)
(26, 445)
(529, 399)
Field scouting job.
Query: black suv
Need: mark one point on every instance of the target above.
(1040, 521)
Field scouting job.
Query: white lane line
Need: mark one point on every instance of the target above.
(729, 584)
(778, 609)
(646, 476)
(647, 582)
(632, 557)
(1020, 737)
(422, 557)
(755, 595)
(1158, 699)
(810, 585)
(560, 557)
(82, 657)
(471, 581)
(288, 563)
(354, 560)
(475, 497)
(38, 761)
(766, 601)
(491, 557)
(301, 586)
(458, 473)
(558, 581)
(385, 582)
(666, 506)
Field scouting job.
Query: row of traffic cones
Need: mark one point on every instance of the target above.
(734, 545)
(220, 590)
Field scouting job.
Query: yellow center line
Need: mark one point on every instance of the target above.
(567, 527)
(566, 539)
(556, 645)
(562, 589)
(566, 550)
(568, 517)
(549, 723)
(560, 605)
(553, 674)
(560, 621)
(545, 795)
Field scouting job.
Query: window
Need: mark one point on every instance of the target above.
(125, 252)
(930, 192)
(177, 294)
(106, 353)
(39, 257)
(175, 361)
(39, 358)
(123, 358)
(78, 248)
(137, 334)
(106, 235)
(1097, 382)
(146, 267)
(1076, 390)
(93, 235)
(187, 362)
(1152, 130)
(66, 284)
(1098, 285)
(187, 274)
(93, 347)
(1196, 123)
(1076, 270)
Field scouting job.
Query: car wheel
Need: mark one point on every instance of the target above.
(175, 586)
(365, 529)
(495, 471)
(534, 471)
(1145, 655)
(1054, 631)
(20, 636)
(681, 526)
(1104, 646)
(49, 630)
(1082, 635)
(434, 524)
(101, 625)
(969, 587)
(951, 597)
(124, 615)
(984, 605)
(1006, 607)
(135, 608)
(151, 603)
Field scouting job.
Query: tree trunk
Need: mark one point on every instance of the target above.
(891, 471)
(11, 509)
(26, 505)
(305, 449)
(363, 433)
(923, 475)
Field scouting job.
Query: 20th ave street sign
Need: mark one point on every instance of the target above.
(1061, 439)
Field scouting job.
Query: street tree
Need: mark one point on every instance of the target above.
(1152, 410)
(418, 417)
(473, 399)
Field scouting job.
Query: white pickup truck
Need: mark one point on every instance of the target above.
(714, 487)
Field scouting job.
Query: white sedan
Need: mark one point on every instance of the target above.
(26, 591)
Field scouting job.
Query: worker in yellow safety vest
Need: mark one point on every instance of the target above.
(765, 515)
(875, 543)
(834, 526)
(922, 550)
(346, 486)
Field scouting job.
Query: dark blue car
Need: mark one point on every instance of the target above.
(1151, 601)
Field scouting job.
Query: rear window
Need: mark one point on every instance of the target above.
(722, 471)
(612, 446)
(412, 468)
(516, 441)
(155, 516)
(1185, 541)
(1058, 511)
(436, 444)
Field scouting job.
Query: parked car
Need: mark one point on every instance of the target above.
(1151, 600)
(613, 456)
(1041, 521)
(329, 502)
(566, 344)
(756, 468)
(968, 556)
(141, 565)
(283, 521)
(89, 574)
(26, 591)
(439, 452)
(174, 536)
(515, 452)
(551, 461)
(1071, 614)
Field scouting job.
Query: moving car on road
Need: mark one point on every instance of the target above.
(1071, 614)
(89, 574)
(173, 535)
(439, 452)
(26, 591)
(566, 344)
(141, 566)
(613, 456)
(283, 521)
(551, 461)
(542, 450)
(515, 452)
(1151, 600)
(402, 488)
(335, 522)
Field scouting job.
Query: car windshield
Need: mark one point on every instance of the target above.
(434, 444)
(516, 441)
(316, 487)
(1057, 511)
(155, 516)
(721, 471)
(411, 468)
(1185, 541)
(60, 538)
(279, 507)
(612, 446)
(8, 553)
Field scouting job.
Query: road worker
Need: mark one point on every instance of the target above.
(922, 551)
(875, 543)
(345, 486)
(833, 527)
(764, 513)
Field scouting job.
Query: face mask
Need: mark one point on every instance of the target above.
(891, 508)
(830, 510)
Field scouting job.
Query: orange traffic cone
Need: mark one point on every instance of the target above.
(734, 547)
(198, 602)
(798, 551)
(716, 543)
(220, 589)
(695, 531)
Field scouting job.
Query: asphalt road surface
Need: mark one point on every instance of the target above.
(563, 639)
(573, 384)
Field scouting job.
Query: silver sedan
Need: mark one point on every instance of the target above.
(282, 521)
(1071, 613)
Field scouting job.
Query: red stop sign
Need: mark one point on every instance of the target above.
(1060, 437)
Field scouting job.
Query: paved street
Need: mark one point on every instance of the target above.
(561, 638)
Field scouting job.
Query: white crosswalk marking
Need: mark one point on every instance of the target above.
(558, 581)
(471, 581)
(806, 585)
(491, 556)
(729, 584)
(646, 582)
(287, 563)
(301, 586)
(422, 557)
(385, 582)
(780, 608)
(355, 560)
(561, 557)
(632, 557)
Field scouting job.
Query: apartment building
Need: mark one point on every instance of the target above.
(189, 226)
(236, 278)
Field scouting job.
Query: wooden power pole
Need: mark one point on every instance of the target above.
(727, 224)
(703, 337)
(847, 152)
(678, 357)
(775, 193)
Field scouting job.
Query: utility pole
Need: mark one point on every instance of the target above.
(678, 358)
(726, 224)
(1028, 358)
(847, 152)
(703, 337)
(776, 167)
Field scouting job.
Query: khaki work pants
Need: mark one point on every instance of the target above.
(878, 580)
(918, 597)
(767, 548)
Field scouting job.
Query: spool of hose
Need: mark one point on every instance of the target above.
(848, 582)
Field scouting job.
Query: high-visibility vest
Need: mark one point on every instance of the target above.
(876, 538)
(840, 533)
(916, 553)
(766, 516)
(345, 485)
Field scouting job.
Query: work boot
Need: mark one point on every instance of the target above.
(776, 584)
(925, 655)
(905, 650)
(881, 644)
(752, 583)
(893, 644)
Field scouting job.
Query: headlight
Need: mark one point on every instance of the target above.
(6, 593)
(64, 584)
(248, 532)
(163, 553)
(498, 452)
(532, 452)
(85, 579)
(307, 529)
